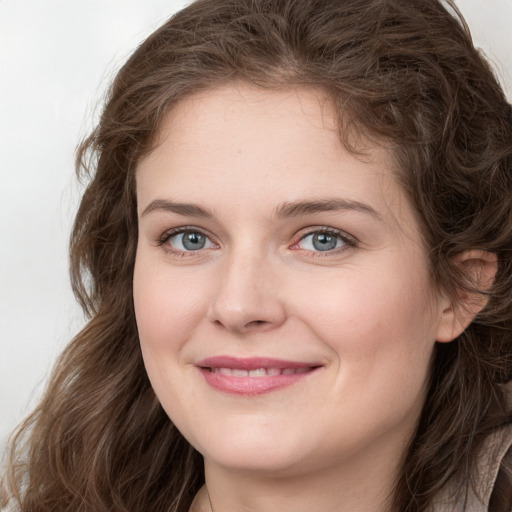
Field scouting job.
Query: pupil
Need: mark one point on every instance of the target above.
(324, 242)
(193, 241)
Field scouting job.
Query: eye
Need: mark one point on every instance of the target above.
(324, 241)
(186, 240)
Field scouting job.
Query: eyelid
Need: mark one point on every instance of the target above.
(348, 240)
(168, 234)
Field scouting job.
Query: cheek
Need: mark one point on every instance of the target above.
(381, 337)
(167, 306)
(167, 314)
(379, 303)
(380, 327)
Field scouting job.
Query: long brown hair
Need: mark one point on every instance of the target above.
(400, 72)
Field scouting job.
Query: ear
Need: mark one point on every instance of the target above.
(480, 268)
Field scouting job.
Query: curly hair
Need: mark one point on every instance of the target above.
(402, 73)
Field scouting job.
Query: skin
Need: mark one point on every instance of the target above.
(365, 311)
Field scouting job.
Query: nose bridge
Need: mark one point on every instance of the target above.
(246, 296)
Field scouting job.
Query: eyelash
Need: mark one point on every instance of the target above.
(165, 237)
(347, 240)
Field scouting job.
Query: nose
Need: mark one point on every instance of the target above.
(248, 296)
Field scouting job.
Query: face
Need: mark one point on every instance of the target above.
(281, 289)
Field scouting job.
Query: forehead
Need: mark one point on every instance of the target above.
(239, 103)
(279, 145)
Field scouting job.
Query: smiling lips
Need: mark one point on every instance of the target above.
(254, 375)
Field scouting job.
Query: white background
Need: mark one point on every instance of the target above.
(56, 60)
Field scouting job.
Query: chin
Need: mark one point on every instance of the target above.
(253, 452)
(252, 462)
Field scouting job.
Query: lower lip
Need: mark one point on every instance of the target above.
(251, 385)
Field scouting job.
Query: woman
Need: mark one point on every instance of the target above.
(295, 252)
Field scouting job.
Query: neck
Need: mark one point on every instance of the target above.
(358, 487)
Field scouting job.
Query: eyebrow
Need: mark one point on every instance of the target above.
(186, 209)
(298, 208)
(286, 209)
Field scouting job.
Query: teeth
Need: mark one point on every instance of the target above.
(259, 372)
(233, 372)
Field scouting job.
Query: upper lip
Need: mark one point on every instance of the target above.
(252, 363)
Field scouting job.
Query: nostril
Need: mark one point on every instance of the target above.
(256, 323)
(239, 314)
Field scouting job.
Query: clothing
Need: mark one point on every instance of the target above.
(10, 507)
(496, 456)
